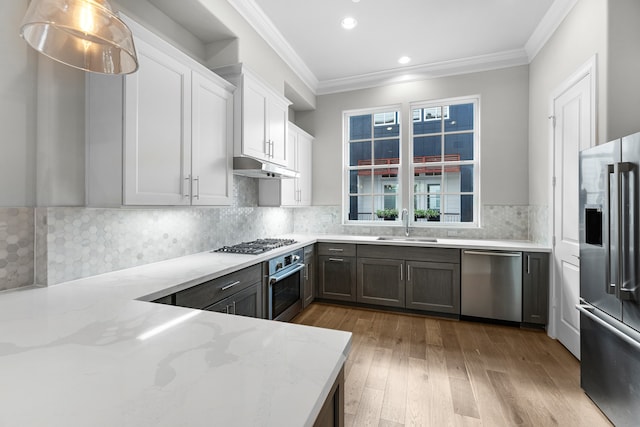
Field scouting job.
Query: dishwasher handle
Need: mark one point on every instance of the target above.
(489, 253)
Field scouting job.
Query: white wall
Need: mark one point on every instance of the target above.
(582, 35)
(17, 109)
(504, 129)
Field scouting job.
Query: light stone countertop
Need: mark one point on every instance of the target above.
(75, 354)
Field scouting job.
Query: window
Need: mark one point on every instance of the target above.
(440, 183)
(373, 165)
(444, 160)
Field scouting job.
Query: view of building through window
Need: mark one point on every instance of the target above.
(444, 161)
(442, 178)
(374, 162)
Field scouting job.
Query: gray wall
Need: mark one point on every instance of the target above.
(504, 129)
(623, 69)
(582, 35)
(17, 109)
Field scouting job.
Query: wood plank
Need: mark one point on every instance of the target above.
(394, 405)
(369, 409)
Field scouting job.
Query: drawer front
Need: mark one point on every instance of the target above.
(410, 253)
(339, 249)
(207, 293)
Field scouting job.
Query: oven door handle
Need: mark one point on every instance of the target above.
(277, 277)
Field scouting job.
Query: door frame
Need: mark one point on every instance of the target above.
(589, 68)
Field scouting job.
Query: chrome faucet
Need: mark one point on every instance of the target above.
(405, 219)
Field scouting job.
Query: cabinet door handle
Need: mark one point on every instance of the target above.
(197, 193)
(230, 285)
(401, 268)
(306, 272)
(188, 184)
(336, 259)
(408, 273)
(234, 307)
(273, 149)
(528, 264)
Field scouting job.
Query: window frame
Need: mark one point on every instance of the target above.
(476, 162)
(347, 168)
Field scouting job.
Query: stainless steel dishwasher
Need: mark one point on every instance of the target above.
(491, 285)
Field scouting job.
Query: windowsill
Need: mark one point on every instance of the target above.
(419, 224)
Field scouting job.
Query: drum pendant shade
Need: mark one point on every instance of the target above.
(84, 34)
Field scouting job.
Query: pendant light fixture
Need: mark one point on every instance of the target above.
(84, 34)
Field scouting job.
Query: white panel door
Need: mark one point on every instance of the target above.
(157, 137)
(212, 143)
(572, 133)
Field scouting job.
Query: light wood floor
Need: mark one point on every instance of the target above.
(406, 370)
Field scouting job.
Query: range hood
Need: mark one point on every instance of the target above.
(254, 168)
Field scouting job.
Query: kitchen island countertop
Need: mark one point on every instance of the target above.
(87, 352)
(95, 352)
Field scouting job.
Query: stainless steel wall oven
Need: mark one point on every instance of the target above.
(284, 285)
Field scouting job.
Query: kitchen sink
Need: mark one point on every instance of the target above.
(409, 239)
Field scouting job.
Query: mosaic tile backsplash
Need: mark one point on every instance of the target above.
(83, 242)
(16, 247)
(75, 242)
(498, 222)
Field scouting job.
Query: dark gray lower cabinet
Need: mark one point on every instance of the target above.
(332, 412)
(308, 279)
(433, 286)
(381, 281)
(337, 277)
(535, 287)
(409, 277)
(247, 302)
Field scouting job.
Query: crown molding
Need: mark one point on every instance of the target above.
(474, 64)
(548, 25)
(254, 15)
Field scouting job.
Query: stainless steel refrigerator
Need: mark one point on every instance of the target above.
(609, 273)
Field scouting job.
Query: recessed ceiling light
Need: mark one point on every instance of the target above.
(356, 1)
(349, 23)
(404, 60)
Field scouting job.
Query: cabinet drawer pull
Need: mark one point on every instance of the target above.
(336, 259)
(230, 285)
(336, 250)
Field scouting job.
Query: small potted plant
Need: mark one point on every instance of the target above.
(387, 214)
(433, 215)
(419, 214)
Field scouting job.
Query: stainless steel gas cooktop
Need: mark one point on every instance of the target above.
(256, 246)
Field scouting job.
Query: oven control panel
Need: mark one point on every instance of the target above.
(285, 261)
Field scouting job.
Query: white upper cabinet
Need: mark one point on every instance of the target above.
(261, 117)
(291, 191)
(211, 142)
(162, 135)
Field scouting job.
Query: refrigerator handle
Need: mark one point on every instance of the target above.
(589, 311)
(627, 233)
(610, 287)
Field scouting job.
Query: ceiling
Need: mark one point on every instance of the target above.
(442, 37)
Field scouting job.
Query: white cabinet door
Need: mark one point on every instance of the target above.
(264, 117)
(289, 186)
(278, 112)
(304, 164)
(254, 120)
(157, 139)
(212, 142)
